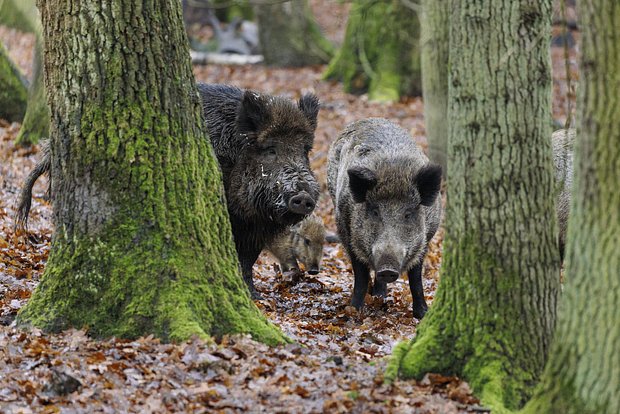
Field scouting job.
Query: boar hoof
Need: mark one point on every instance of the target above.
(255, 295)
(357, 302)
(419, 310)
(379, 289)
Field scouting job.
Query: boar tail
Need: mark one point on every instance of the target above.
(25, 196)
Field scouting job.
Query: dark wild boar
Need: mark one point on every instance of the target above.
(262, 144)
(302, 243)
(385, 194)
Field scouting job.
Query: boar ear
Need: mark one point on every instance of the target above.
(309, 105)
(428, 182)
(252, 114)
(361, 180)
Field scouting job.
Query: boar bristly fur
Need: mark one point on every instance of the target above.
(262, 144)
(302, 243)
(562, 143)
(385, 194)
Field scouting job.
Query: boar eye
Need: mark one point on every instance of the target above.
(307, 242)
(410, 213)
(374, 211)
(270, 151)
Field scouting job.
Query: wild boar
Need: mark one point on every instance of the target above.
(262, 144)
(562, 143)
(303, 243)
(384, 191)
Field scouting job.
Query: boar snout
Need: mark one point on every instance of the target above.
(301, 203)
(387, 275)
(313, 270)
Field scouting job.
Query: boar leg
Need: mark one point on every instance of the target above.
(360, 283)
(247, 257)
(417, 292)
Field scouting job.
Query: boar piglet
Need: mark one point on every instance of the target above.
(387, 210)
(302, 243)
(262, 144)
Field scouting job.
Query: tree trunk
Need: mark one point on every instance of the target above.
(37, 119)
(18, 14)
(143, 241)
(380, 54)
(583, 373)
(13, 92)
(434, 43)
(494, 311)
(226, 11)
(289, 36)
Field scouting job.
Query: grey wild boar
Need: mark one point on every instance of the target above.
(385, 194)
(562, 142)
(262, 144)
(302, 243)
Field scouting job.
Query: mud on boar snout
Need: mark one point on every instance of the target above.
(301, 203)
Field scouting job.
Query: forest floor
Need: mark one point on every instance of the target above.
(338, 357)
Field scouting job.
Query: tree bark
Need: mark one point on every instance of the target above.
(434, 48)
(289, 36)
(37, 118)
(495, 308)
(380, 54)
(583, 373)
(143, 241)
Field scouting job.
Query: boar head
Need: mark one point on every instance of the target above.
(388, 220)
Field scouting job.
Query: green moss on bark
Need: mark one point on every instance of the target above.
(380, 54)
(470, 337)
(142, 241)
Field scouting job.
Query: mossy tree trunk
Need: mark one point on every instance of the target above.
(495, 308)
(226, 11)
(380, 54)
(13, 91)
(37, 118)
(434, 44)
(289, 35)
(583, 373)
(142, 242)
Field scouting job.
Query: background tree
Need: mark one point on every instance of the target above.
(380, 54)
(23, 15)
(142, 242)
(13, 90)
(582, 375)
(37, 118)
(434, 42)
(494, 311)
(289, 35)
